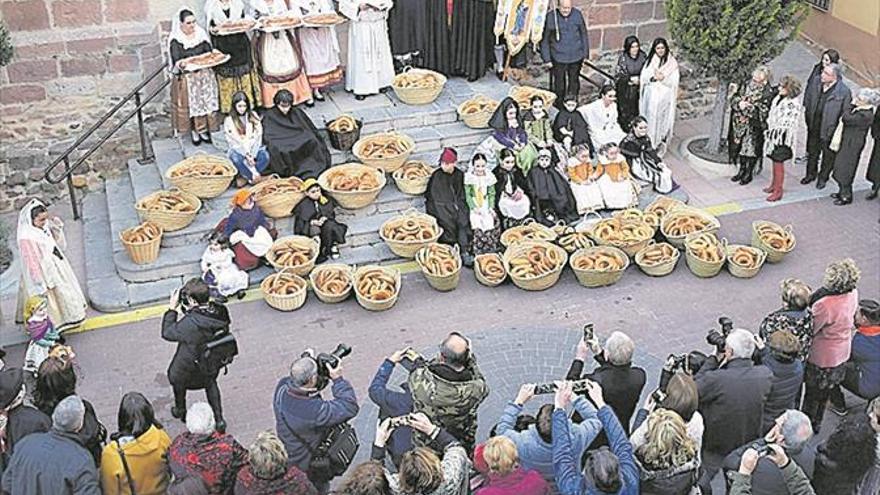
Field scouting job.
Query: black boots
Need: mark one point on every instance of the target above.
(749, 172)
(740, 174)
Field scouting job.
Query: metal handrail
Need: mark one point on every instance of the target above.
(596, 68)
(147, 155)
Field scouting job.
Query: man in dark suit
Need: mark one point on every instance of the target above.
(823, 112)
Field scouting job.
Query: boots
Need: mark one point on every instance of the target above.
(749, 169)
(778, 179)
(740, 174)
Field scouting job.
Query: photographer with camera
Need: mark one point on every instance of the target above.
(796, 482)
(195, 323)
(780, 354)
(791, 432)
(393, 403)
(306, 423)
(449, 389)
(677, 393)
(732, 391)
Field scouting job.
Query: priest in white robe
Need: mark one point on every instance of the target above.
(370, 67)
(601, 116)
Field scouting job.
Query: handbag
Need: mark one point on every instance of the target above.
(126, 469)
(334, 453)
(834, 145)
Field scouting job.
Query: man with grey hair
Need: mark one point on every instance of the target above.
(732, 391)
(792, 431)
(55, 458)
(303, 418)
(823, 112)
(621, 381)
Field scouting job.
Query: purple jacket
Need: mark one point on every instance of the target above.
(519, 482)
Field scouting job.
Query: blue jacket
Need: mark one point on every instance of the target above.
(534, 452)
(574, 42)
(785, 387)
(309, 416)
(392, 403)
(52, 462)
(866, 355)
(569, 478)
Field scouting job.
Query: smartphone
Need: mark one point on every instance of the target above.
(589, 333)
(545, 388)
(399, 421)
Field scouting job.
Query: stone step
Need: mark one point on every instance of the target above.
(120, 203)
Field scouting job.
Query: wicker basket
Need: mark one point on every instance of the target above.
(408, 249)
(343, 141)
(278, 205)
(679, 240)
(387, 164)
(523, 96)
(663, 203)
(142, 253)
(203, 186)
(444, 283)
(703, 268)
(325, 296)
(596, 278)
(287, 302)
(528, 224)
(353, 200)
(413, 187)
(773, 255)
(480, 119)
(168, 220)
(482, 278)
(369, 304)
(630, 248)
(740, 271)
(541, 282)
(418, 96)
(660, 269)
(297, 240)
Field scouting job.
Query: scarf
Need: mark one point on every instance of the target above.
(4, 417)
(214, 11)
(782, 123)
(188, 41)
(37, 330)
(480, 183)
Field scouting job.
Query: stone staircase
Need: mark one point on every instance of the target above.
(117, 284)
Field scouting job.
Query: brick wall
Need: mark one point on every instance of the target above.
(611, 21)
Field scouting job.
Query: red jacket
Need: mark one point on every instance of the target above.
(519, 482)
(833, 324)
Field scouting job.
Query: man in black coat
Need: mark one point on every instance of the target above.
(732, 393)
(792, 431)
(823, 112)
(21, 419)
(565, 45)
(192, 321)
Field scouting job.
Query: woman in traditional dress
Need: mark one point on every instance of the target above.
(193, 93)
(659, 83)
(244, 135)
(538, 125)
(239, 73)
(601, 116)
(295, 148)
(582, 175)
(571, 129)
(45, 270)
(479, 192)
(445, 201)
(551, 193)
(279, 58)
(629, 70)
(855, 124)
(509, 132)
(320, 48)
(614, 179)
(748, 115)
(248, 231)
(511, 191)
(370, 67)
(645, 164)
(472, 37)
(315, 216)
(781, 134)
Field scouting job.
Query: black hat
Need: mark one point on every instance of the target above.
(11, 381)
(870, 309)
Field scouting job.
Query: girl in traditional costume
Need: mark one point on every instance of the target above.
(239, 73)
(511, 191)
(659, 83)
(570, 129)
(645, 163)
(479, 191)
(509, 132)
(42, 333)
(193, 93)
(582, 177)
(320, 48)
(248, 231)
(244, 135)
(315, 216)
(279, 58)
(628, 79)
(538, 125)
(552, 196)
(219, 270)
(45, 270)
(614, 179)
(370, 67)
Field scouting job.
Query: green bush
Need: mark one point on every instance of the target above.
(6, 51)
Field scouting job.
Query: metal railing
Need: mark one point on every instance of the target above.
(608, 77)
(147, 156)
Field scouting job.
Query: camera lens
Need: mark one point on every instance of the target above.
(342, 351)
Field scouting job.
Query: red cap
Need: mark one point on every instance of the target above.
(448, 156)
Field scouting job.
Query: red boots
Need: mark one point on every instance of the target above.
(775, 187)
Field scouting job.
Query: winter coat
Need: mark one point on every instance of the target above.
(519, 482)
(856, 123)
(833, 322)
(622, 385)
(836, 103)
(391, 404)
(311, 417)
(21, 422)
(866, 357)
(191, 332)
(454, 466)
(679, 480)
(145, 456)
(785, 388)
(768, 478)
(731, 402)
(292, 482)
(574, 41)
(51, 463)
(214, 458)
(796, 482)
(695, 429)
(534, 452)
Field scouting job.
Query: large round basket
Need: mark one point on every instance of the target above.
(388, 163)
(740, 271)
(631, 247)
(678, 240)
(540, 282)
(523, 96)
(478, 273)
(660, 269)
(144, 252)
(413, 187)
(478, 119)
(368, 303)
(326, 296)
(353, 200)
(443, 283)
(701, 267)
(529, 230)
(599, 278)
(277, 197)
(414, 95)
(284, 302)
(773, 255)
(208, 185)
(300, 241)
(169, 220)
(343, 141)
(408, 249)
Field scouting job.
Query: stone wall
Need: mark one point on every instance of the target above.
(611, 21)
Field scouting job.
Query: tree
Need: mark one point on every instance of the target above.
(728, 39)
(5, 45)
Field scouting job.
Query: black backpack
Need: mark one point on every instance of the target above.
(334, 452)
(218, 352)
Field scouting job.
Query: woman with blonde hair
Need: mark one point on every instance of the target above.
(794, 316)
(506, 476)
(834, 306)
(668, 460)
(267, 472)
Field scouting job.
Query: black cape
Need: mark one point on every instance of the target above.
(332, 232)
(551, 191)
(445, 201)
(509, 179)
(295, 148)
(437, 48)
(574, 121)
(473, 41)
(406, 26)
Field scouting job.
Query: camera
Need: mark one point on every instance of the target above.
(658, 396)
(332, 359)
(589, 333)
(762, 449)
(398, 421)
(577, 386)
(718, 338)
